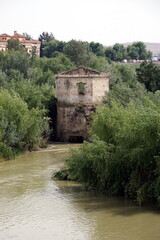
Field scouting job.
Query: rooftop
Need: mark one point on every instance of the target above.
(17, 35)
(82, 72)
(4, 35)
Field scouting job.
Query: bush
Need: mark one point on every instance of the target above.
(20, 128)
(124, 159)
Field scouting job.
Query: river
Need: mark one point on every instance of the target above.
(33, 207)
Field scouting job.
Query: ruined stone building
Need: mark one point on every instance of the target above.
(78, 92)
(29, 45)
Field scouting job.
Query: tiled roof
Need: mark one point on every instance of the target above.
(17, 35)
(4, 35)
(82, 71)
(31, 41)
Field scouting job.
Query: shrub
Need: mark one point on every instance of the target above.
(20, 127)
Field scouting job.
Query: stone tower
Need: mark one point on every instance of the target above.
(78, 92)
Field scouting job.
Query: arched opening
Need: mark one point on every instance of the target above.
(76, 139)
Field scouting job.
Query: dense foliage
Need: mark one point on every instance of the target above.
(31, 81)
(123, 158)
(136, 51)
(83, 53)
(27, 98)
(149, 75)
(20, 128)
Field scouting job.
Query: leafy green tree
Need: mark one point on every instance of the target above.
(46, 37)
(34, 95)
(123, 158)
(110, 53)
(20, 128)
(27, 36)
(117, 53)
(97, 49)
(123, 93)
(120, 51)
(15, 60)
(149, 74)
(14, 44)
(122, 73)
(58, 64)
(53, 48)
(141, 49)
(3, 79)
(138, 51)
(79, 52)
(101, 64)
(133, 52)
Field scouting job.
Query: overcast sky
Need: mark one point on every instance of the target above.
(104, 21)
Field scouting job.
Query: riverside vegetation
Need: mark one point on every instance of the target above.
(124, 156)
(27, 83)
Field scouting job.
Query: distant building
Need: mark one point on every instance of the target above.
(154, 58)
(29, 45)
(78, 92)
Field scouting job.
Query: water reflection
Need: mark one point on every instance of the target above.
(32, 206)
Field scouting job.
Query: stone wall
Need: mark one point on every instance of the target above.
(78, 92)
(73, 122)
(94, 90)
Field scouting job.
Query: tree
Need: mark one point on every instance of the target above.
(53, 48)
(79, 52)
(138, 51)
(97, 49)
(149, 74)
(27, 36)
(117, 53)
(3, 78)
(20, 127)
(60, 63)
(110, 53)
(101, 64)
(14, 44)
(141, 49)
(17, 60)
(120, 51)
(124, 73)
(133, 52)
(46, 37)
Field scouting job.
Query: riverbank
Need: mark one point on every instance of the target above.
(51, 146)
(35, 207)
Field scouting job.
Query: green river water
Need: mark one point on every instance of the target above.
(33, 207)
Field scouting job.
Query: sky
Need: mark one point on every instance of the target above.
(104, 21)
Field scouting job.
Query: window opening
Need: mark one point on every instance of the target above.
(81, 88)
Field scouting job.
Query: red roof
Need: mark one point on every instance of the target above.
(17, 35)
(4, 35)
(31, 41)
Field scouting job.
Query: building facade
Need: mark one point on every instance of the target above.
(78, 92)
(29, 45)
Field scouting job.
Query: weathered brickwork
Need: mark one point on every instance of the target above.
(78, 93)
